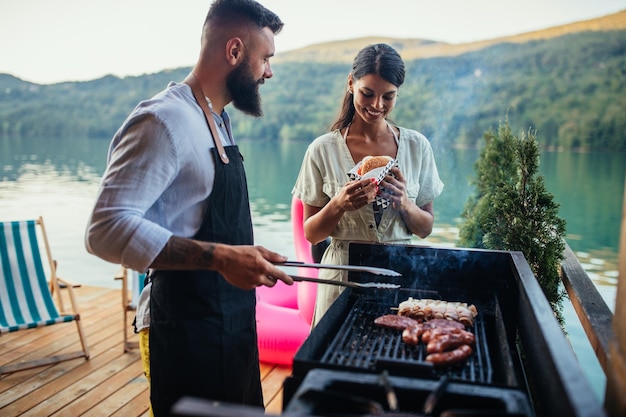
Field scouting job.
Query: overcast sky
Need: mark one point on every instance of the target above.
(48, 41)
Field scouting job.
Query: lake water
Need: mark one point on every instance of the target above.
(58, 180)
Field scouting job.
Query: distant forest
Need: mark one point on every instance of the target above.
(570, 89)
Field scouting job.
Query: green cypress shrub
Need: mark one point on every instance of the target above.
(512, 210)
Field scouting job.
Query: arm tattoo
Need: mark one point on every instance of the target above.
(180, 253)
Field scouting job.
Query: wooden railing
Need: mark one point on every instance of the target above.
(595, 316)
(606, 331)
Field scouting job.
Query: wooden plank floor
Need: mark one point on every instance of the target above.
(110, 383)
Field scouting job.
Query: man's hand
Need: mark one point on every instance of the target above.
(248, 267)
(245, 267)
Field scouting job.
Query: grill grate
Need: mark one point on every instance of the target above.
(363, 345)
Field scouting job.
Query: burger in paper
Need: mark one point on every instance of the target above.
(370, 163)
(376, 167)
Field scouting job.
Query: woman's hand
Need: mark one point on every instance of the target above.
(393, 188)
(356, 194)
(319, 222)
(419, 220)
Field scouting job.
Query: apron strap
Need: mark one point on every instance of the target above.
(192, 81)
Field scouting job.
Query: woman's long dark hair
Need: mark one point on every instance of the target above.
(380, 59)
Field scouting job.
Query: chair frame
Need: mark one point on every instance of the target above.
(55, 286)
(129, 306)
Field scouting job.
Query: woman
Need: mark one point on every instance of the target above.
(346, 210)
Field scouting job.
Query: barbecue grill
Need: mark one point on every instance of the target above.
(522, 363)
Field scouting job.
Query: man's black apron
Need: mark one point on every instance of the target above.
(203, 340)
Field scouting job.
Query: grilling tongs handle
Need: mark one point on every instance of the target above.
(370, 269)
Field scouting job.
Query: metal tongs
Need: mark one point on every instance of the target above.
(351, 284)
(370, 269)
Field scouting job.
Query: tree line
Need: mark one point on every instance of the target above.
(570, 89)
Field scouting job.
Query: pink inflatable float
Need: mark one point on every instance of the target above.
(284, 312)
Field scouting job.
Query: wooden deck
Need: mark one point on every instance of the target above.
(110, 383)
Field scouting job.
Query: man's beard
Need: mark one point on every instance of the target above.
(244, 90)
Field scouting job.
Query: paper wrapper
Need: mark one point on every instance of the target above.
(378, 174)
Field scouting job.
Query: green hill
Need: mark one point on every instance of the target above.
(567, 82)
(410, 49)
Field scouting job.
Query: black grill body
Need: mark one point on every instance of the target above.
(332, 393)
(520, 352)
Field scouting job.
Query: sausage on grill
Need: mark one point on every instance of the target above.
(438, 331)
(447, 341)
(411, 335)
(452, 357)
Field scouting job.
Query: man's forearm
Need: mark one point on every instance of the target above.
(181, 253)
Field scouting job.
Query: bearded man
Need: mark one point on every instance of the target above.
(173, 202)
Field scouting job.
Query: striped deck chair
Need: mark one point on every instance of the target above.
(132, 284)
(26, 298)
